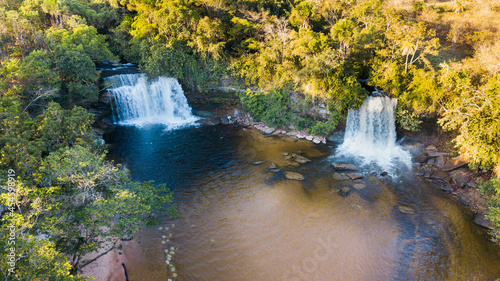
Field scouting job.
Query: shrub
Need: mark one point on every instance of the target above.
(407, 120)
(271, 108)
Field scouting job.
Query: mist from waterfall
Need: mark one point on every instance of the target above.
(371, 134)
(138, 101)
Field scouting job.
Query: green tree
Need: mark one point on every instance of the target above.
(343, 31)
(475, 113)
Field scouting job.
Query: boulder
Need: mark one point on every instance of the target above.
(431, 148)
(442, 176)
(461, 176)
(455, 163)
(294, 176)
(355, 176)
(482, 221)
(237, 113)
(210, 121)
(383, 174)
(344, 167)
(269, 131)
(419, 159)
(316, 141)
(309, 138)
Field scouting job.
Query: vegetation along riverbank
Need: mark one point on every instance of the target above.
(292, 65)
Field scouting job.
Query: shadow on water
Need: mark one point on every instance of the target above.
(174, 157)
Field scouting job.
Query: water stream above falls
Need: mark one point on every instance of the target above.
(241, 221)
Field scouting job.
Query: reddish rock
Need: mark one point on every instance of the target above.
(355, 176)
(344, 167)
(455, 163)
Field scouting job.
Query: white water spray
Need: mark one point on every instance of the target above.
(371, 134)
(138, 101)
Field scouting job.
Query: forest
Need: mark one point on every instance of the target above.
(441, 59)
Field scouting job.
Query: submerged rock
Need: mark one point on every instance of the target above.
(359, 186)
(294, 176)
(259, 162)
(300, 159)
(340, 177)
(406, 210)
(344, 167)
(273, 165)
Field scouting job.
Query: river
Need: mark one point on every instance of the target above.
(242, 221)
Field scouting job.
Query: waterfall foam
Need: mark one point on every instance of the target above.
(138, 101)
(371, 134)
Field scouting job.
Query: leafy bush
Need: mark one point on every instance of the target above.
(271, 108)
(488, 187)
(304, 123)
(407, 120)
(323, 128)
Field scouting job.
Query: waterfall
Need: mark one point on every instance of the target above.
(138, 101)
(371, 134)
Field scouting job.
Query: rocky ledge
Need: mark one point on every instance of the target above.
(454, 177)
(239, 118)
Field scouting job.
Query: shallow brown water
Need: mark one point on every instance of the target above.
(240, 221)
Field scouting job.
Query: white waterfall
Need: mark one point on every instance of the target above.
(371, 134)
(138, 101)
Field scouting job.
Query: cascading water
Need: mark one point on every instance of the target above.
(138, 101)
(371, 134)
